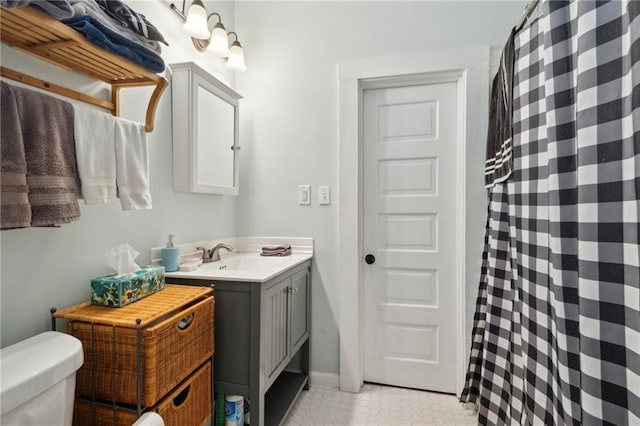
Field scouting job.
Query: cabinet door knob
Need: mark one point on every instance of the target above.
(235, 148)
(370, 259)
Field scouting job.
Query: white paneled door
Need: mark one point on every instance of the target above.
(409, 235)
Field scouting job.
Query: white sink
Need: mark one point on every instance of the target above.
(248, 262)
(243, 267)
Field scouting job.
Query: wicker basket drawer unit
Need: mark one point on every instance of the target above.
(188, 404)
(176, 335)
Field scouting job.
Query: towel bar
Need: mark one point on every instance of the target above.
(54, 88)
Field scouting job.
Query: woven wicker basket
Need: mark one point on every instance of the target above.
(188, 405)
(169, 351)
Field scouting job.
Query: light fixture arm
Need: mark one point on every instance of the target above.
(180, 12)
(217, 14)
(183, 15)
(234, 33)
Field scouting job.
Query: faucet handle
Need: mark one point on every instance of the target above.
(204, 254)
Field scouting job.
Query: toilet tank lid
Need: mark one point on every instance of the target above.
(35, 364)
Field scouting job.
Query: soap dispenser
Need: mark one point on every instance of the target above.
(171, 256)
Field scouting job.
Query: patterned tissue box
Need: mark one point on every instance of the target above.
(120, 291)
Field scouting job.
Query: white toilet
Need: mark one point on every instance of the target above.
(149, 419)
(38, 380)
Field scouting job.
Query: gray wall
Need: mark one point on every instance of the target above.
(290, 116)
(289, 137)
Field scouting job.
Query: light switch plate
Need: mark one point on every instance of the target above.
(324, 195)
(304, 195)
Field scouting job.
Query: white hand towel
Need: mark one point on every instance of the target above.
(94, 133)
(132, 165)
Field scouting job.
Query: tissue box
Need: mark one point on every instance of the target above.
(120, 291)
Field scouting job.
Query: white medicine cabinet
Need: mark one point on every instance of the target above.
(205, 132)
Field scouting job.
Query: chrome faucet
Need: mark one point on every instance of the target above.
(213, 255)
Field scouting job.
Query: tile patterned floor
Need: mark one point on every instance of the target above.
(378, 405)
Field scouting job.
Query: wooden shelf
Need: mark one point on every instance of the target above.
(36, 33)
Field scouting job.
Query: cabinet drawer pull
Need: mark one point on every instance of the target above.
(181, 397)
(185, 322)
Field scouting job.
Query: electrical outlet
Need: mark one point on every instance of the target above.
(324, 195)
(304, 195)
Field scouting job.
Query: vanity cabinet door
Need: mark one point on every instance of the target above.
(299, 323)
(276, 327)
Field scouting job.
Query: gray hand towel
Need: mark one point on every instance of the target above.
(52, 175)
(276, 251)
(15, 211)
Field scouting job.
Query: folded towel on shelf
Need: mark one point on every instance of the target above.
(132, 165)
(499, 157)
(90, 7)
(276, 251)
(15, 210)
(131, 19)
(112, 41)
(52, 174)
(58, 9)
(96, 155)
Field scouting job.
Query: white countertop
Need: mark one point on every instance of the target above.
(261, 269)
(245, 262)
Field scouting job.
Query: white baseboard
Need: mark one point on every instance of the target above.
(317, 378)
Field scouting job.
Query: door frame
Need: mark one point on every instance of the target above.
(469, 67)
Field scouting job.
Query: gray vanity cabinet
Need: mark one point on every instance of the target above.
(262, 340)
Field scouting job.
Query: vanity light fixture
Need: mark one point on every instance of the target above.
(216, 41)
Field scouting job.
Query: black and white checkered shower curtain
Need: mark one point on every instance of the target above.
(556, 336)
